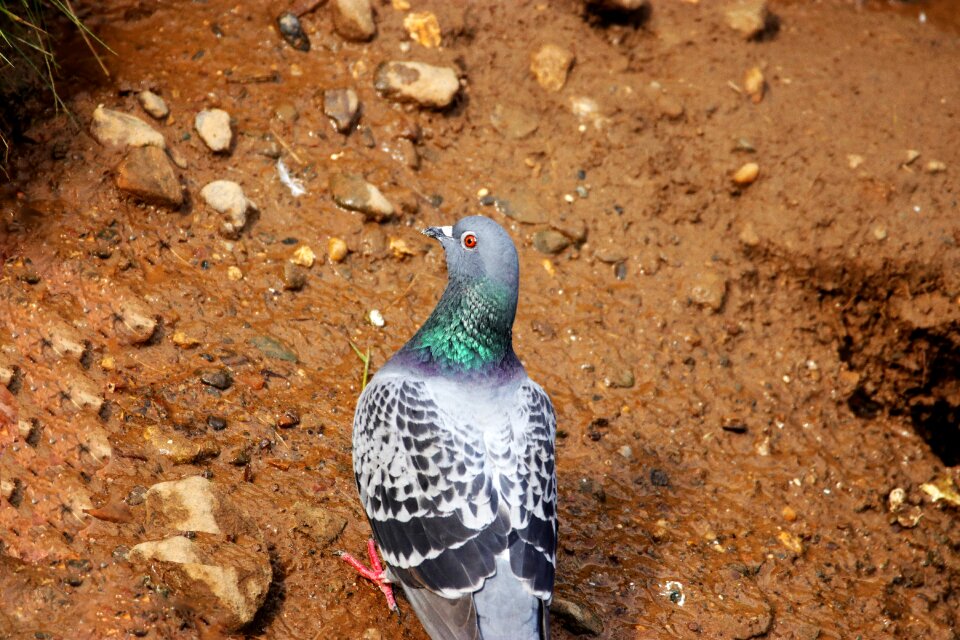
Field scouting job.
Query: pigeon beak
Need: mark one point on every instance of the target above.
(439, 233)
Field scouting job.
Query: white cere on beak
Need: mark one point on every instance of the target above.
(447, 231)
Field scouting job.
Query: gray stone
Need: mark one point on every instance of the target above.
(273, 348)
(153, 104)
(353, 19)
(227, 197)
(341, 106)
(417, 82)
(213, 125)
(113, 128)
(146, 174)
(523, 206)
(550, 242)
(352, 192)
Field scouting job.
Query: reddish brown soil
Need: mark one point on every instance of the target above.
(833, 361)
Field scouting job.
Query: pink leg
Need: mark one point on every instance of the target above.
(375, 574)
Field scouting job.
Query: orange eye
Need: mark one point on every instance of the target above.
(469, 240)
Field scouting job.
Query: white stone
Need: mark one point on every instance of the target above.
(114, 128)
(213, 125)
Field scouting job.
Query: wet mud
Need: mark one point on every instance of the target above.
(756, 371)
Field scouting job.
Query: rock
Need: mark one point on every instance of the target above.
(576, 617)
(118, 129)
(912, 155)
(287, 112)
(550, 242)
(178, 449)
(748, 17)
(294, 277)
(292, 31)
(213, 125)
(303, 256)
(670, 106)
(659, 478)
(550, 65)
(707, 288)
(424, 28)
(935, 166)
(626, 452)
(371, 633)
(417, 82)
(146, 174)
(216, 377)
(754, 84)
(353, 19)
(352, 192)
(226, 582)
(748, 236)
(336, 250)
(746, 174)
(341, 106)
(514, 123)
(273, 348)
(226, 197)
(216, 423)
(234, 274)
(321, 524)
(138, 322)
(189, 504)
(621, 377)
(153, 104)
(611, 254)
(523, 206)
(406, 152)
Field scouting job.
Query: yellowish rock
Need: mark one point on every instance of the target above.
(943, 488)
(754, 84)
(336, 250)
(935, 166)
(550, 66)
(234, 273)
(400, 249)
(548, 266)
(184, 341)
(107, 363)
(746, 174)
(400, 5)
(423, 28)
(304, 256)
(791, 542)
(854, 160)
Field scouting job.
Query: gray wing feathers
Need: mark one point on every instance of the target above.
(464, 514)
(445, 618)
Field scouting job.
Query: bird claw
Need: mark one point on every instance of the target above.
(375, 573)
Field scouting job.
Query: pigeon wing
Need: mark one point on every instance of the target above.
(427, 491)
(533, 502)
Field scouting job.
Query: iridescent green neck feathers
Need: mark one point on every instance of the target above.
(471, 328)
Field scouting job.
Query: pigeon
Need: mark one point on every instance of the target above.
(453, 453)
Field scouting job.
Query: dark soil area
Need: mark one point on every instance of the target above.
(757, 383)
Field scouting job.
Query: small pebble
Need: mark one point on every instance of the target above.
(935, 166)
(234, 274)
(626, 451)
(854, 160)
(418, 82)
(376, 318)
(912, 155)
(153, 104)
(550, 65)
(879, 232)
(114, 128)
(748, 236)
(216, 377)
(754, 84)
(288, 419)
(550, 242)
(353, 193)
(336, 250)
(294, 277)
(707, 288)
(353, 19)
(746, 174)
(184, 341)
(659, 478)
(216, 423)
(213, 125)
(342, 107)
(292, 31)
(748, 17)
(789, 514)
(424, 28)
(304, 257)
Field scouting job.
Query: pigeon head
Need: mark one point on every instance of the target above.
(477, 248)
(471, 328)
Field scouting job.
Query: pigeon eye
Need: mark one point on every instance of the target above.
(469, 240)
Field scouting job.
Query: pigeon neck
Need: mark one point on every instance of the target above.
(470, 330)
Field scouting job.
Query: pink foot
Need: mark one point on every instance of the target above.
(375, 574)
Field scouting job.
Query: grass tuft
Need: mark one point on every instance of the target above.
(365, 359)
(26, 51)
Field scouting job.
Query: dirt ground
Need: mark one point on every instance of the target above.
(757, 385)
